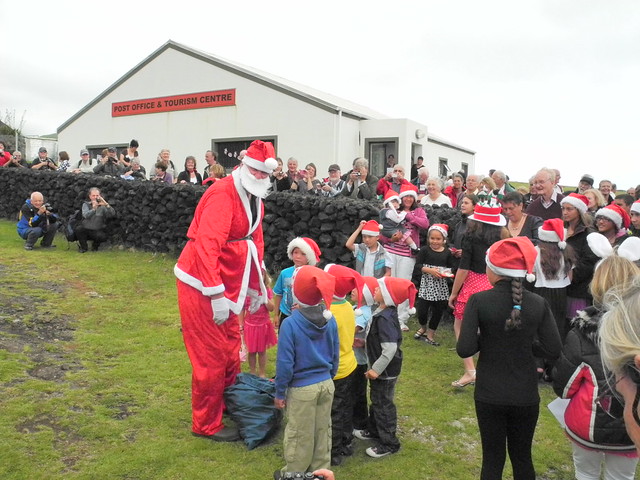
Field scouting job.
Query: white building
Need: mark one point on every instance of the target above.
(189, 101)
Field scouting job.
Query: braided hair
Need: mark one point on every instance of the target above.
(514, 322)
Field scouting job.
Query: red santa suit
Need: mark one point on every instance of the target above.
(223, 255)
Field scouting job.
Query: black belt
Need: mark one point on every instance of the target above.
(248, 237)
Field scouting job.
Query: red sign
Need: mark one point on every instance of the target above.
(190, 101)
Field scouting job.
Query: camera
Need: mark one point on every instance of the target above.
(48, 207)
(357, 174)
(301, 475)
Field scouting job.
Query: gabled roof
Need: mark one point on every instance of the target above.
(302, 92)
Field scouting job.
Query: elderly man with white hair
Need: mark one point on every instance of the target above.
(420, 182)
(473, 182)
(501, 183)
(547, 205)
(35, 221)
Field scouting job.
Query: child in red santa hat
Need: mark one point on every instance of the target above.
(384, 357)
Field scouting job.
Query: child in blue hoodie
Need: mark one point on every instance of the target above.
(307, 360)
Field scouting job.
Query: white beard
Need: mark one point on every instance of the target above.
(251, 184)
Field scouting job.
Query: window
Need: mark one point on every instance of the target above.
(465, 168)
(443, 167)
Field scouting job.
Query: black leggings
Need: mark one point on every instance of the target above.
(502, 428)
(437, 308)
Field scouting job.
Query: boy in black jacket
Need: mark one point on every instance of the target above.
(384, 356)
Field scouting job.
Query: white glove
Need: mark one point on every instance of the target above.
(220, 309)
(255, 300)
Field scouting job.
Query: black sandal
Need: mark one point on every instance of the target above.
(420, 336)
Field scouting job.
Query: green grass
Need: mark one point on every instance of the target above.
(121, 406)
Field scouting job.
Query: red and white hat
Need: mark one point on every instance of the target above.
(397, 290)
(408, 189)
(513, 257)
(369, 285)
(635, 207)
(261, 156)
(553, 231)
(616, 214)
(371, 228)
(346, 280)
(441, 227)
(390, 195)
(308, 247)
(310, 286)
(486, 213)
(578, 200)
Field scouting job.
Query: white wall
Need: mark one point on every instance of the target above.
(455, 158)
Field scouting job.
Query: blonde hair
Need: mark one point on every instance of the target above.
(598, 196)
(620, 328)
(488, 181)
(217, 171)
(613, 271)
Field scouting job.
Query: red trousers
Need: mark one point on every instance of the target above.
(214, 354)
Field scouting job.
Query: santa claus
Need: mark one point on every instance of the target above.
(219, 266)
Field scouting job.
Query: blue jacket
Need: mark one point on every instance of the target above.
(308, 350)
(29, 218)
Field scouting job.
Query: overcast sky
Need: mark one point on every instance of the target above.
(525, 84)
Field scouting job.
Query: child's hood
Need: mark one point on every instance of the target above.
(316, 324)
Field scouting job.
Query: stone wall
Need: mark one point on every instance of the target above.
(155, 217)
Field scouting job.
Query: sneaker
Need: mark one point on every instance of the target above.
(47, 246)
(363, 434)
(403, 327)
(379, 451)
(28, 247)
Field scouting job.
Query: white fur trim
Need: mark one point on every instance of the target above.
(615, 217)
(548, 235)
(388, 200)
(298, 242)
(562, 245)
(444, 233)
(635, 207)
(412, 311)
(386, 296)
(530, 277)
(372, 233)
(357, 311)
(327, 314)
(367, 295)
(408, 191)
(576, 202)
(266, 166)
(192, 281)
(506, 272)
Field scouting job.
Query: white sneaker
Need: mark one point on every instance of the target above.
(378, 451)
(403, 327)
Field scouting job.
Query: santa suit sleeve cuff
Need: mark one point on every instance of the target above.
(197, 284)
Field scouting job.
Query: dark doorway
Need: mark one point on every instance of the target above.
(228, 151)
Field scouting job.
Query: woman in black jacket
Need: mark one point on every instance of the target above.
(502, 324)
(190, 174)
(598, 439)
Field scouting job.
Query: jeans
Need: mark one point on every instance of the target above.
(383, 420)
(31, 235)
(502, 428)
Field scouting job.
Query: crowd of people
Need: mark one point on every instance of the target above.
(532, 277)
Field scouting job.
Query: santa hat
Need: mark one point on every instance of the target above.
(390, 195)
(369, 285)
(513, 257)
(635, 207)
(552, 230)
(578, 200)
(308, 247)
(261, 156)
(397, 290)
(346, 280)
(441, 227)
(601, 247)
(408, 189)
(489, 213)
(616, 214)
(310, 286)
(371, 228)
